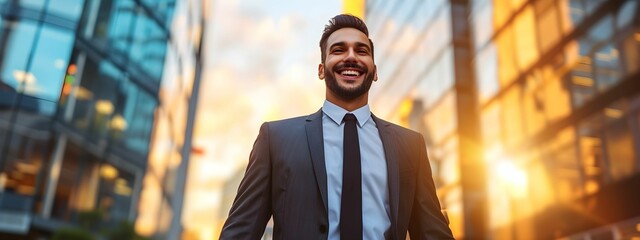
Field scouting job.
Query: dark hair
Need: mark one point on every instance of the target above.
(338, 22)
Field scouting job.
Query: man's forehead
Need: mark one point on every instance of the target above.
(347, 35)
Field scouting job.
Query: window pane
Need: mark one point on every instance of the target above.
(577, 12)
(16, 50)
(607, 67)
(50, 62)
(95, 97)
(138, 113)
(525, 35)
(619, 141)
(626, 14)
(482, 27)
(507, 69)
(161, 7)
(66, 8)
(591, 153)
(631, 52)
(442, 119)
(32, 4)
(90, 188)
(557, 100)
(486, 66)
(564, 166)
(148, 46)
(549, 31)
(26, 152)
(512, 119)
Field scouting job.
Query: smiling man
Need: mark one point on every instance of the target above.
(339, 173)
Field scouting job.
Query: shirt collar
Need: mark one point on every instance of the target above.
(336, 113)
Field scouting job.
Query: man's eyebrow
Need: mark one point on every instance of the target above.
(342, 44)
(361, 44)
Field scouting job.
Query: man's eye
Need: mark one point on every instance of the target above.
(337, 50)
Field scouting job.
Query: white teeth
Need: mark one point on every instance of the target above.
(350, 73)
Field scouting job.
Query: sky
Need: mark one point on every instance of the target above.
(262, 61)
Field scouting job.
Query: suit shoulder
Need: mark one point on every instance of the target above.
(287, 126)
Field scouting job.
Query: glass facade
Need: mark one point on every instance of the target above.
(556, 98)
(84, 106)
(419, 48)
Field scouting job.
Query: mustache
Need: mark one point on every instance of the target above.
(350, 65)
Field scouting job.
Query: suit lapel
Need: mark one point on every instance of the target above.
(391, 155)
(316, 147)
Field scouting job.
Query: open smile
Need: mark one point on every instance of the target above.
(350, 71)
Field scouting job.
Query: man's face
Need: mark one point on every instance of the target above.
(348, 68)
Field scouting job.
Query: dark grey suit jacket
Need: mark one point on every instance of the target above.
(286, 178)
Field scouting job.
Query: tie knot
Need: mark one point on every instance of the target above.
(349, 117)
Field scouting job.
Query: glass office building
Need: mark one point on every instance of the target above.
(551, 88)
(559, 100)
(88, 92)
(423, 58)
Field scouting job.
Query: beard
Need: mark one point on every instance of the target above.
(348, 93)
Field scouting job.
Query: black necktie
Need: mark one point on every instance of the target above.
(351, 205)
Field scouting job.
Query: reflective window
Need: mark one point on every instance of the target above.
(607, 66)
(626, 14)
(66, 8)
(442, 118)
(525, 38)
(491, 129)
(438, 80)
(512, 119)
(581, 81)
(148, 46)
(602, 31)
(15, 53)
(591, 154)
(120, 25)
(25, 150)
(379, 28)
(94, 103)
(449, 168)
(563, 165)
(542, 193)
(533, 105)
(43, 80)
(32, 4)
(630, 52)
(110, 25)
(133, 119)
(579, 9)
(619, 141)
(164, 8)
(557, 99)
(501, 12)
(50, 62)
(90, 191)
(482, 26)
(507, 69)
(486, 67)
(548, 19)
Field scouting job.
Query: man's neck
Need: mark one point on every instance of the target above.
(349, 105)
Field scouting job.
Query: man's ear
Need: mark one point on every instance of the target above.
(375, 73)
(321, 71)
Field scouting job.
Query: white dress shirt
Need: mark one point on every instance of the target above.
(376, 217)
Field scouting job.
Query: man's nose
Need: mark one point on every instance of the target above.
(351, 55)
